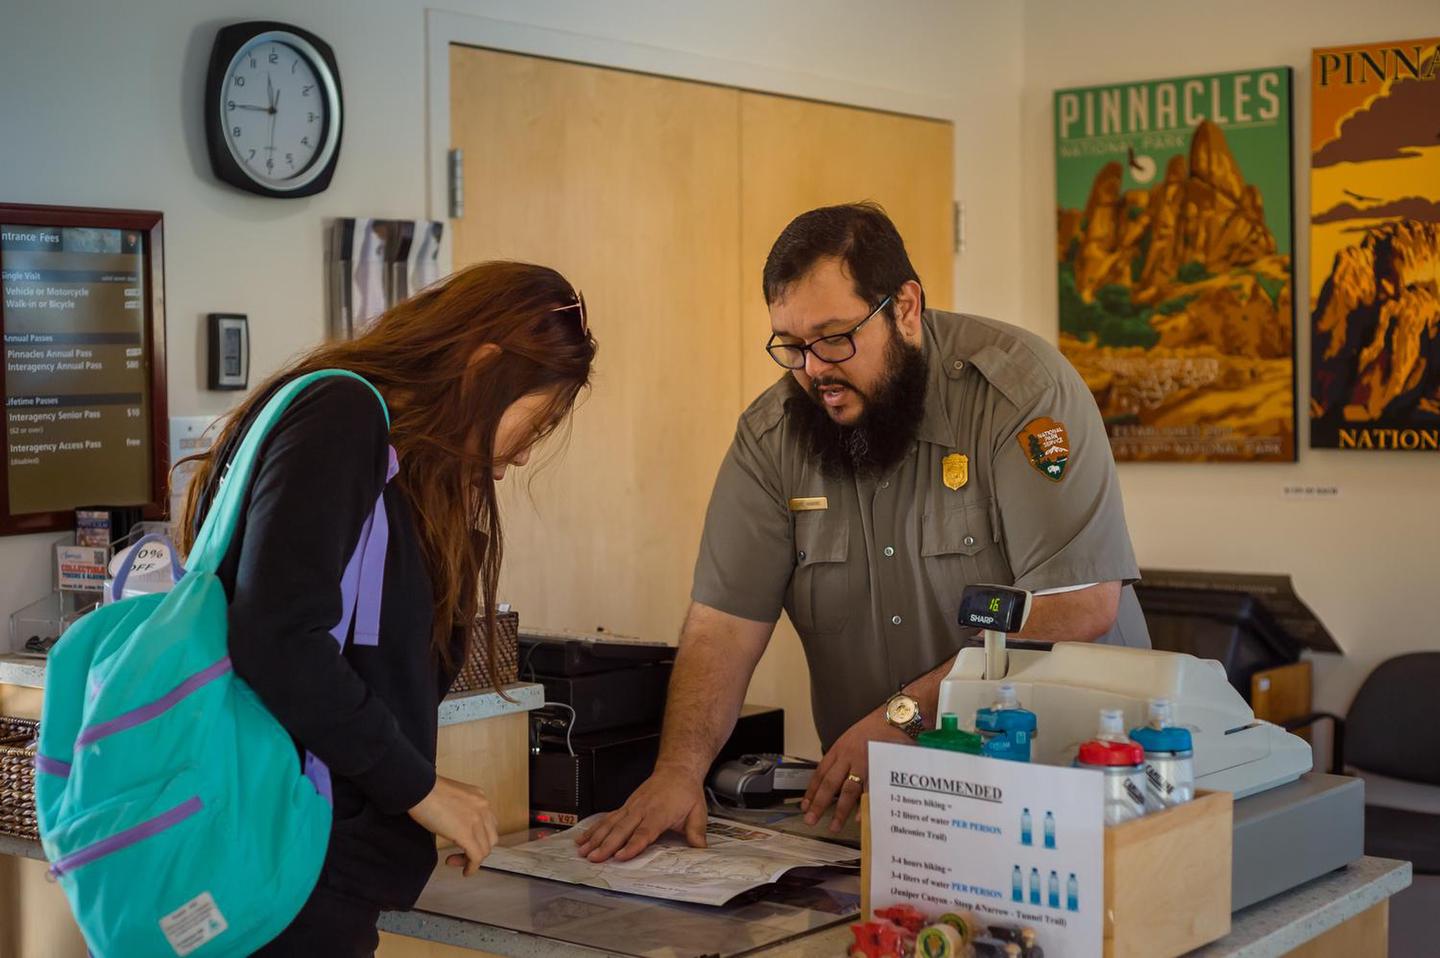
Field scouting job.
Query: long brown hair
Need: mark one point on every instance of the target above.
(445, 408)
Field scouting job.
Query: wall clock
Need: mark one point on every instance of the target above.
(273, 109)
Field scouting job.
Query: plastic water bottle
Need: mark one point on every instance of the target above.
(1025, 827)
(1169, 758)
(1054, 890)
(1072, 894)
(1017, 885)
(1007, 729)
(1123, 763)
(1034, 886)
(1049, 829)
(950, 736)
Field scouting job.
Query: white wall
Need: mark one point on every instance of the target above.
(107, 101)
(1366, 563)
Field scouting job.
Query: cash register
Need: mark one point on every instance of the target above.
(1066, 685)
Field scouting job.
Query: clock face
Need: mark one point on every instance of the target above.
(277, 105)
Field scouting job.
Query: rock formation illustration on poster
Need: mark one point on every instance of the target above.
(1174, 261)
(1375, 246)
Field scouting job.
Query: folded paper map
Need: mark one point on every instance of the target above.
(739, 858)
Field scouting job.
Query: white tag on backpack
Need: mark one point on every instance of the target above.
(193, 924)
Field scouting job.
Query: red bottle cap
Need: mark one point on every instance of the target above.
(1101, 752)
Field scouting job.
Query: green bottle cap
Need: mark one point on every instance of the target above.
(951, 736)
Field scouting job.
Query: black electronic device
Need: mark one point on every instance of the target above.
(592, 772)
(994, 608)
(606, 700)
(1233, 628)
(273, 109)
(576, 653)
(229, 351)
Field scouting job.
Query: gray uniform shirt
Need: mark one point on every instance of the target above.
(870, 571)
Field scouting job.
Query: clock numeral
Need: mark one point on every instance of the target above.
(239, 81)
(270, 163)
(311, 118)
(290, 158)
(229, 104)
(304, 141)
(305, 90)
(252, 63)
(251, 156)
(235, 131)
(274, 57)
(293, 65)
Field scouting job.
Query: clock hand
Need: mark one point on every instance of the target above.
(269, 94)
(249, 106)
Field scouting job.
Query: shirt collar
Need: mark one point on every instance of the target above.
(941, 367)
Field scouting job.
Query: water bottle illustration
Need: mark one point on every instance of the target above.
(1049, 829)
(1017, 885)
(1054, 890)
(1072, 894)
(1034, 886)
(1025, 838)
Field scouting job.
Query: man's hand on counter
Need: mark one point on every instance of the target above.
(849, 756)
(460, 812)
(667, 800)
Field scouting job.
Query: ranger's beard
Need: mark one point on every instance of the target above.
(888, 422)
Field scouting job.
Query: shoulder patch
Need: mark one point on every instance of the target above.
(1046, 444)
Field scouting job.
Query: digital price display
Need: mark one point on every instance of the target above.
(84, 399)
(997, 608)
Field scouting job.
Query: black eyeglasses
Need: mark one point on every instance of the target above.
(830, 349)
(580, 305)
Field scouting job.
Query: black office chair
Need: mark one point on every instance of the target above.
(1391, 739)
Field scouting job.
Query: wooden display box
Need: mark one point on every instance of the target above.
(1167, 878)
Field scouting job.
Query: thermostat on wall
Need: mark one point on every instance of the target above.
(229, 351)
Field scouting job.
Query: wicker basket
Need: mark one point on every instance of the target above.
(474, 674)
(17, 777)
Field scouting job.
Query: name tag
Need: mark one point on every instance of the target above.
(809, 504)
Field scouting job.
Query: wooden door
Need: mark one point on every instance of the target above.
(627, 184)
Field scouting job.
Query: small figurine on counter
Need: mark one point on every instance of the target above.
(880, 939)
(908, 917)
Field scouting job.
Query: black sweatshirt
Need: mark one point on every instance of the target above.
(371, 713)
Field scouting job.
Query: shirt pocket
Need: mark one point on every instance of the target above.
(821, 594)
(957, 548)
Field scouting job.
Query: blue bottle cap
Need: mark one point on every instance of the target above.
(1163, 739)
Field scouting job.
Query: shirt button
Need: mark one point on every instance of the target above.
(802, 555)
(896, 620)
(885, 484)
(969, 541)
(959, 364)
(889, 551)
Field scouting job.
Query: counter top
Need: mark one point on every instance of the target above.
(1266, 930)
(456, 708)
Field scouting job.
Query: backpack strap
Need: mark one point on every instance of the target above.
(213, 539)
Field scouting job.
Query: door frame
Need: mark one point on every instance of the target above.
(443, 28)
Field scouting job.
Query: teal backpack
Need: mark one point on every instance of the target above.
(173, 807)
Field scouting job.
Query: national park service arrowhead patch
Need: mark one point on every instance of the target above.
(1047, 445)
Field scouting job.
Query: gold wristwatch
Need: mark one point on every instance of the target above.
(902, 710)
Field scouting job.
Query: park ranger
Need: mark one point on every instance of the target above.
(906, 454)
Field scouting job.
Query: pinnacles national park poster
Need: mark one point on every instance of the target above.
(1375, 246)
(1174, 252)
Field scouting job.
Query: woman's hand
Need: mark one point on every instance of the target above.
(461, 813)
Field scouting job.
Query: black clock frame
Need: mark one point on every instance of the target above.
(229, 41)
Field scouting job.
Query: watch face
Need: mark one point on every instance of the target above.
(901, 710)
(279, 106)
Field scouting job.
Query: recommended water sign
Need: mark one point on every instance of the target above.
(1015, 844)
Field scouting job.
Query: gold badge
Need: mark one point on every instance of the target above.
(955, 470)
(1046, 444)
(809, 504)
